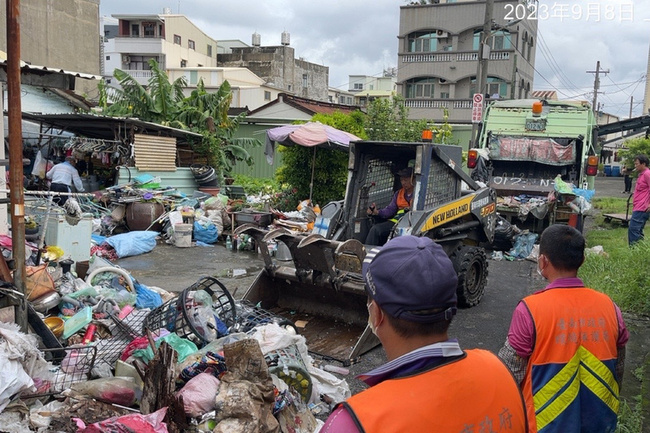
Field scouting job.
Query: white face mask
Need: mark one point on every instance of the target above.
(372, 327)
(539, 270)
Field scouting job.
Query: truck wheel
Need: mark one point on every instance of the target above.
(470, 264)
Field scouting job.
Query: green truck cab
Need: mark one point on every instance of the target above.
(523, 145)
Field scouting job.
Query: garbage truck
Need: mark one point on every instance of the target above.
(524, 146)
(320, 287)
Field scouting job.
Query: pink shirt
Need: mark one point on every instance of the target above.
(642, 191)
(521, 334)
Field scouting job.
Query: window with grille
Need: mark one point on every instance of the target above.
(420, 88)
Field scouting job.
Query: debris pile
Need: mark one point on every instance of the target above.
(137, 356)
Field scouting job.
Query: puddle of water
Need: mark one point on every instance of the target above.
(237, 272)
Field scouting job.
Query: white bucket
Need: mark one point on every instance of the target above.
(183, 235)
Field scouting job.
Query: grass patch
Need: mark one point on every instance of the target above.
(621, 273)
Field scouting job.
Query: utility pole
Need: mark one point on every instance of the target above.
(513, 81)
(596, 84)
(482, 59)
(483, 51)
(17, 197)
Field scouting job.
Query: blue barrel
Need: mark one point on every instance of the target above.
(616, 171)
(608, 170)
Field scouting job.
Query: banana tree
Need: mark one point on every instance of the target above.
(202, 112)
(158, 102)
(207, 113)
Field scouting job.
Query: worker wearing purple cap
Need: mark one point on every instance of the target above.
(429, 383)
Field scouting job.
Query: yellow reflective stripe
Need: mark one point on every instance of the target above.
(599, 368)
(554, 385)
(594, 380)
(550, 412)
(593, 372)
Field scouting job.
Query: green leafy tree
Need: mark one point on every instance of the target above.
(202, 112)
(388, 121)
(330, 165)
(635, 146)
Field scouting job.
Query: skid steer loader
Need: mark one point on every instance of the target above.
(322, 290)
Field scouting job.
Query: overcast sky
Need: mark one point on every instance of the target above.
(359, 37)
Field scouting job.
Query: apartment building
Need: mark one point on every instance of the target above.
(366, 88)
(438, 56)
(170, 39)
(248, 90)
(278, 66)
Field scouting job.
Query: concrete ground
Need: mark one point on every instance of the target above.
(484, 326)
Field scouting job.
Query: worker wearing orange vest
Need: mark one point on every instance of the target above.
(400, 204)
(429, 383)
(566, 344)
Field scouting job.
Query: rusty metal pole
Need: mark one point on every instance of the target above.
(16, 155)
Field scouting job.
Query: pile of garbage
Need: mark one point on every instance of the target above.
(114, 352)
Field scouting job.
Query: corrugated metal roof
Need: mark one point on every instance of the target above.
(47, 70)
(108, 128)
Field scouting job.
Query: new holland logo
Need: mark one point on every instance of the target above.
(447, 213)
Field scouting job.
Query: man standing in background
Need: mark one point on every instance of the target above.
(640, 201)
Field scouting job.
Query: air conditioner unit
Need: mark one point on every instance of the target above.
(442, 35)
(126, 59)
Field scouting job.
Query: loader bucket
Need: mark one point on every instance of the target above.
(322, 293)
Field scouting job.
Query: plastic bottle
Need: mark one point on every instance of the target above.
(228, 243)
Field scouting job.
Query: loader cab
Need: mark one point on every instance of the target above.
(372, 178)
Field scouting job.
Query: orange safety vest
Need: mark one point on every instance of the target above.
(402, 205)
(474, 393)
(570, 383)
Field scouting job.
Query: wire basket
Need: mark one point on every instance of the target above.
(123, 331)
(249, 316)
(179, 315)
(69, 365)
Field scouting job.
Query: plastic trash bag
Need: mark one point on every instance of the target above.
(146, 298)
(117, 390)
(183, 347)
(20, 360)
(563, 187)
(133, 243)
(40, 166)
(524, 243)
(205, 232)
(503, 234)
(199, 394)
(588, 194)
(152, 423)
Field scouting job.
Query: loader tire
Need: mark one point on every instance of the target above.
(470, 264)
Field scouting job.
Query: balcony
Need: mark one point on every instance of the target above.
(460, 56)
(139, 75)
(460, 104)
(124, 44)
